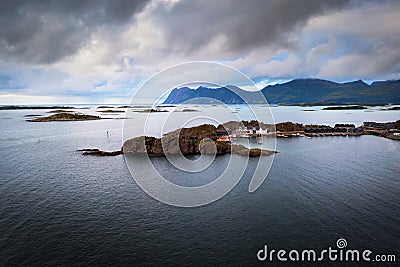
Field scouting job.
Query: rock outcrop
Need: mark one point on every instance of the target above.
(66, 117)
(185, 140)
(98, 152)
(188, 141)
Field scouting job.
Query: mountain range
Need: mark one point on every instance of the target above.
(299, 91)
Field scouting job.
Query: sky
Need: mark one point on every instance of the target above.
(99, 51)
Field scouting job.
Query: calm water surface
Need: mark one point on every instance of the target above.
(60, 208)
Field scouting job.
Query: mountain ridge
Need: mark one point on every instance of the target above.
(297, 91)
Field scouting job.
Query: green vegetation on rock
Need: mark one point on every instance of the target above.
(67, 117)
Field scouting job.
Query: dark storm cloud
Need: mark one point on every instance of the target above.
(46, 31)
(189, 25)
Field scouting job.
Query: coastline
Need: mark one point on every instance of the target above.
(191, 141)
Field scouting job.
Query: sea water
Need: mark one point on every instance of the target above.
(58, 207)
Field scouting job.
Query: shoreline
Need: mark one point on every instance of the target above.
(191, 141)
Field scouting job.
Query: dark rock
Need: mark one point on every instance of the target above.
(188, 141)
(66, 117)
(98, 152)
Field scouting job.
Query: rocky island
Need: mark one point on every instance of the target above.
(196, 140)
(208, 139)
(111, 111)
(66, 117)
(354, 107)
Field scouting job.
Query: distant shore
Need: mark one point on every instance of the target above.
(328, 105)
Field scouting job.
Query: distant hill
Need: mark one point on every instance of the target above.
(300, 91)
(228, 94)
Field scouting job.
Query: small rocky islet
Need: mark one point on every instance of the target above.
(66, 117)
(196, 140)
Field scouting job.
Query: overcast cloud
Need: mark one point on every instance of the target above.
(100, 51)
